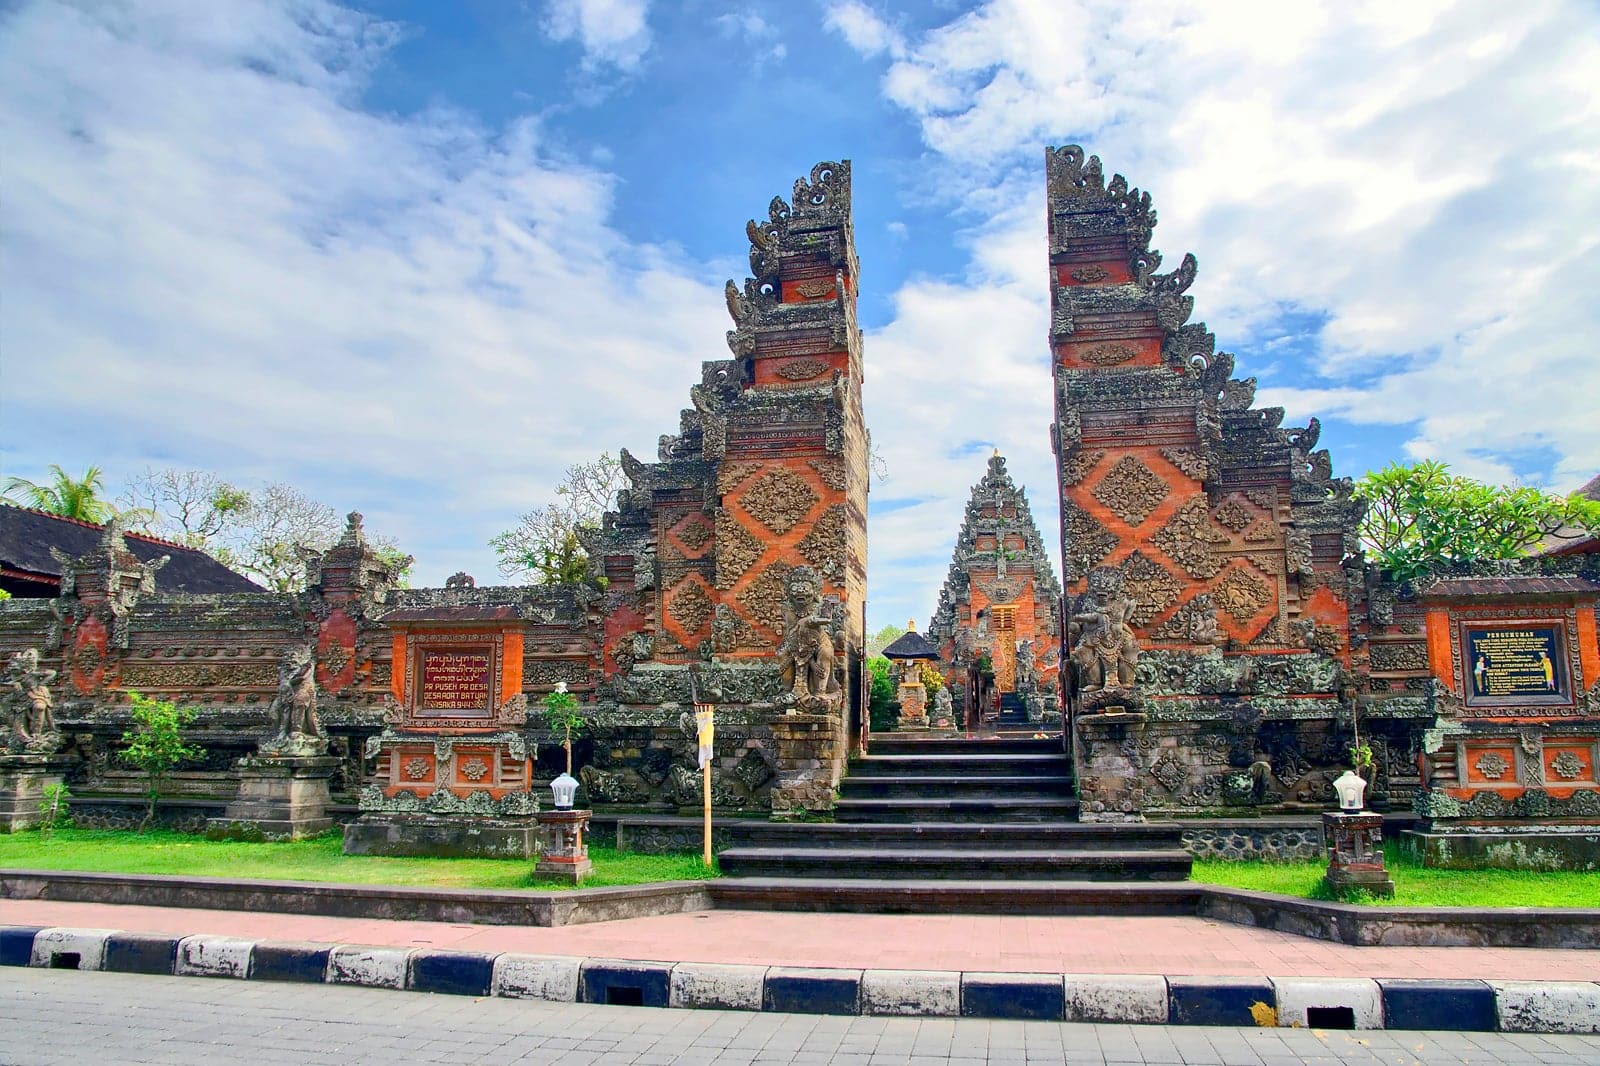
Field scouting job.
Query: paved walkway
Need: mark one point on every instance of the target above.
(59, 1016)
(1165, 946)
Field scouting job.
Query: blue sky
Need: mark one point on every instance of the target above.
(418, 257)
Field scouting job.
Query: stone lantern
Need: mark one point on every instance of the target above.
(1354, 839)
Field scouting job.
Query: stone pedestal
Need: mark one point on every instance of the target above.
(23, 781)
(1355, 853)
(913, 707)
(281, 797)
(1109, 775)
(563, 854)
(811, 755)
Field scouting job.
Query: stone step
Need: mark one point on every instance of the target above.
(895, 744)
(1021, 836)
(953, 786)
(964, 810)
(967, 864)
(1045, 764)
(957, 897)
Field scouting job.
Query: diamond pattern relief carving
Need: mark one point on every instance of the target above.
(824, 546)
(1087, 541)
(1077, 466)
(689, 605)
(763, 598)
(1188, 537)
(1151, 586)
(778, 500)
(1263, 532)
(1191, 462)
(693, 534)
(1130, 490)
(1233, 514)
(737, 550)
(1242, 593)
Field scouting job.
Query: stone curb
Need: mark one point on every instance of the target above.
(1139, 999)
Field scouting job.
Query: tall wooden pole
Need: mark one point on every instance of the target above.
(705, 781)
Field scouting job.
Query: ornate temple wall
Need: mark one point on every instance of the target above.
(1219, 538)
(750, 526)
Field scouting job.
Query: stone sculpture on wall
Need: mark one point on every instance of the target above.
(294, 727)
(807, 655)
(29, 726)
(1104, 649)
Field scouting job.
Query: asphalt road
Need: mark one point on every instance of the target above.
(61, 1016)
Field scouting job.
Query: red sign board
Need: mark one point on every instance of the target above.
(457, 679)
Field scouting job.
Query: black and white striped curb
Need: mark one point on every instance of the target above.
(1315, 1002)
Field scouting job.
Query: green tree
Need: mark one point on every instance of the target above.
(1421, 516)
(155, 745)
(561, 715)
(546, 545)
(82, 498)
(883, 638)
(193, 507)
(881, 703)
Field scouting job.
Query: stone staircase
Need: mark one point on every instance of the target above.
(950, 824)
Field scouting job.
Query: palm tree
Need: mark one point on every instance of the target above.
(64, 495)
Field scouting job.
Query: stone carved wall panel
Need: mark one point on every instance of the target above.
(737, 550)
(1189, 539)
(1130, 491)
(779, 499)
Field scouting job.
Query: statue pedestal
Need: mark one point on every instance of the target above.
(1355, 852)
(811, 754)
(913, 715)
(23, 781)
(281, 797)
(562, 853)
(1108, 770)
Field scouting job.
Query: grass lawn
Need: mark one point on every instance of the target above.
(158, 852)
(1415, 885)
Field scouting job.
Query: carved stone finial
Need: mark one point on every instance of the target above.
(353, 536)
(460, 580)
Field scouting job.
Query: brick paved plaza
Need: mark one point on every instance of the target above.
(1169, 946)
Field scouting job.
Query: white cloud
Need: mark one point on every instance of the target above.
(611, 32)
(213, 258)
(862, 29)
(1419, 177)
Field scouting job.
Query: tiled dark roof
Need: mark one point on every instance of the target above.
(26, 537)
(1531, 585)
(912, 645)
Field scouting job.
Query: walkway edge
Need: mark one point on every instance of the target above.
(1300, 1002)
(1345, 923)
(332, 899)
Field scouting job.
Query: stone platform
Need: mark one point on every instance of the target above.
(1546, 848)
(442, 837)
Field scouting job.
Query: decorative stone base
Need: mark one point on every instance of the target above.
(437, 836)
(1355, 853)
(281, 797)
(902, 724)
(563, 851)
(1109, 774)
(23, 781)
(811, 754)
(1553, 848)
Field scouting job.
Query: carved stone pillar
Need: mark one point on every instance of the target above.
(1109, 775)
(1355, 852)
(563, 854)
(812, 750)
(23, 782)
